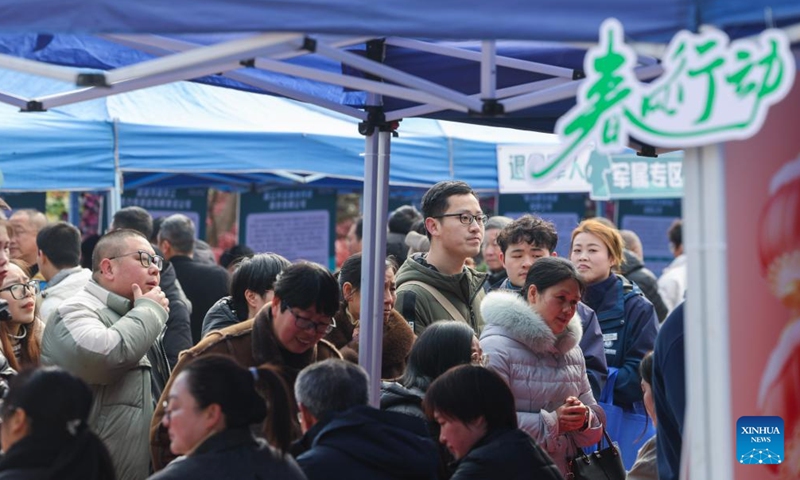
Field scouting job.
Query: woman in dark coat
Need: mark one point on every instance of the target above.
(44, 431)
(211, 405)
(478, 423)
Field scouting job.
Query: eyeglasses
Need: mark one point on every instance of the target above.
(307, 324)
(479, 359)
(466, 218)
(145, 259)
(19, 290)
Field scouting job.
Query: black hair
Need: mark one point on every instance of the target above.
(443, 345)
(675, 233)
(401, 220)
(218, 379)
(235, 254)
(257, 274)
(468, 392)
(135, 218)
(87, 248)
(59, 422)
(646, 368)
(61, 242)
(437, 199)
(419, 227)
(304, 285)
(351, 273)
(529, 229)
(549, 271)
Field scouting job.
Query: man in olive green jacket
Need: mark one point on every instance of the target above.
(438, 285)
(102, 334)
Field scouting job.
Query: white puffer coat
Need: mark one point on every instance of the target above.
(542, 370)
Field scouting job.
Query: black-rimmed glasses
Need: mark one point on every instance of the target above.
(466, 218)
(145, 259)
(307, 324)
(18, 290)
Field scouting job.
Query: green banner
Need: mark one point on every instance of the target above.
(615, 177)
(163, 202)
(296, 223)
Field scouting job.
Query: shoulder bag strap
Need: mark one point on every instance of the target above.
(443, 301)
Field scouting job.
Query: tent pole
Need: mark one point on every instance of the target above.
(707, 343)
(373, 253)
(115, 195)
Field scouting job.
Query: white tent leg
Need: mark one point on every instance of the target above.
(115, 194)
(708, 394)
(373, 255)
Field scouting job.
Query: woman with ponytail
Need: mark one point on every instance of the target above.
(211, 405)
(45, 435)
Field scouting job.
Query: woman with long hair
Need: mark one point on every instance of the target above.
(477, 419)
(646, 467)
(398, 337)
(627, 319)
(532, 343)
(210, 408)
(443, 345)
(21, 334)
(44, 432)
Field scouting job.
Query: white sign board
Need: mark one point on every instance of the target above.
(515, 163)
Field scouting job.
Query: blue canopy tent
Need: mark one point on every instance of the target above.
(169, 31)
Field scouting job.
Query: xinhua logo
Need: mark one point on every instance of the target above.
(759, 440)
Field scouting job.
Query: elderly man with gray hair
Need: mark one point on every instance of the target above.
(344, 438)
(202, 283)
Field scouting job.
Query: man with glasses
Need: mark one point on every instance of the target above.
(102, 334)
(439, 285)
(287, 333)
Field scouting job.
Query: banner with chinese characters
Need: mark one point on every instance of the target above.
(708, 90)
(614, 177)
(163, 202)
(565, 210)
(516, 162)
(298, 223)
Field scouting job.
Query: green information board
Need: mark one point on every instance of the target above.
(296, 223)
(163, 202)
(650, 219)
(565, 210)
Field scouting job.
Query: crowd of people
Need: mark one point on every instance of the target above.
(150, 360)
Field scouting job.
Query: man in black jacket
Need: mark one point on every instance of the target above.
(634, 270)
(203, 284)
(177, 336)
(346, 439)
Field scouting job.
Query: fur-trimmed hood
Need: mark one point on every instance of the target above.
(516, 318)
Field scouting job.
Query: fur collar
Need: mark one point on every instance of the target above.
(511, 312)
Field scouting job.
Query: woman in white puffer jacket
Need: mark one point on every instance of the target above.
(533, 345)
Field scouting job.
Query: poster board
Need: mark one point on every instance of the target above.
(296, 223)
(565, 210)
(163, 202)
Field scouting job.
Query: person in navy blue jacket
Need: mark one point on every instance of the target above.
(669, 393)
(627, 319)
(344, 438)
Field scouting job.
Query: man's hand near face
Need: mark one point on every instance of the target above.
(154, 294)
